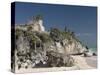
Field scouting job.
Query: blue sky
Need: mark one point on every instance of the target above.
(80, 19)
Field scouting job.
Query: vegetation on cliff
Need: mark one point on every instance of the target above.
(45, 49)
(40, 49)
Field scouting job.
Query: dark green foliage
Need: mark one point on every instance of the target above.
(55, 34)
(58, 60)
(18, 32)
(66, 35)
(58, 35)
(45, 38)
(29, 28)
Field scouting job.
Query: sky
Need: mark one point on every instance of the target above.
(80, 19)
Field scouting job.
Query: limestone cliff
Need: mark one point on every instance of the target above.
(44, 49)
(36, 47)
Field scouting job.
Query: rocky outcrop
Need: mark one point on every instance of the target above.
(37, 48)
(75, 48)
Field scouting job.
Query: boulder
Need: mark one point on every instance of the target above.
(94, 54)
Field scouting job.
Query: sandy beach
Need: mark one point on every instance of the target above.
(92, 61)
(80, 64)
(86, 62)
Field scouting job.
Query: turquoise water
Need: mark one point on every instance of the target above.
(93, 49)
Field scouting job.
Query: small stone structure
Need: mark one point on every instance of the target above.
(36, 24)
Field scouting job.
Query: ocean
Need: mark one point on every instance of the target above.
(93, 50)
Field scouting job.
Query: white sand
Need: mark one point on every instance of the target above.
(30, 70)
(80, 64)
(92, 61)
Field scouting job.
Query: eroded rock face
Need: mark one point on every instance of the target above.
(22, 44)
(75, 48)
(58, 60)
